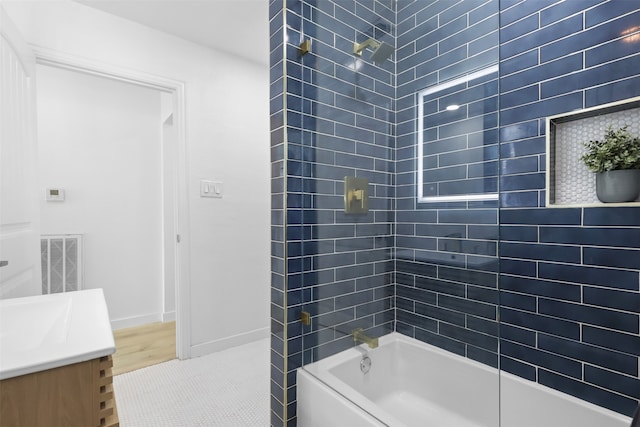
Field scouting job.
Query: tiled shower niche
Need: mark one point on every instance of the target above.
(569, 181)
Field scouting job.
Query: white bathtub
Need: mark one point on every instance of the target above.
(414, 384)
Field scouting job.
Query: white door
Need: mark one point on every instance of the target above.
(20, 271)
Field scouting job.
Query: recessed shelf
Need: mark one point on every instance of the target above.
(569, 182)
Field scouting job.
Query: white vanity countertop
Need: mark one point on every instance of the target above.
(49, 331)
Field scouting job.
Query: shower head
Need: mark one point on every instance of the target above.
(381, 50)
(382, 53)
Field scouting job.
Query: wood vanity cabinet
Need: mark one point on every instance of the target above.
(76, 395)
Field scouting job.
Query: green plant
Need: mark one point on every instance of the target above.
(617, 151)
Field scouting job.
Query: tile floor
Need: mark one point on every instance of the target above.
(227, 389)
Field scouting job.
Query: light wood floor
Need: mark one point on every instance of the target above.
(144, 345)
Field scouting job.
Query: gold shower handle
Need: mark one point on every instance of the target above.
(357, 195)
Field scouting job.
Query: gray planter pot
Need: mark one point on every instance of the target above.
(618, 186)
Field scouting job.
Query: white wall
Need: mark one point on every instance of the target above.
(100, 141)
(227, 139)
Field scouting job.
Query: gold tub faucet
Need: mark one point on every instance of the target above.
(359, 336)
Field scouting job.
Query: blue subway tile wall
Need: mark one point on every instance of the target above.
(567, 288)
(340, 121)
(569, 281)
(446, 252)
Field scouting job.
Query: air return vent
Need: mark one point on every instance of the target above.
(61, 257)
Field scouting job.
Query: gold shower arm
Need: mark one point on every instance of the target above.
(359, 47)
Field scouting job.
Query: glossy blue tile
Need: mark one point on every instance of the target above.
(460, 275)
(611, 381)
(516, 132)
(587, 353)
(519, 63)
(524, 26)
(540, 37)
(518, 267)
(590, 38)
(620, 237)
(619, 300)
(614, 91)
(545, 107)
(584, 391)
(616, 70)
(543, 359)
(622, 342)
(519, 233)
(514, 10)
(468, 217)
(468, 186)
(620, 279)
(467, 306)
(521, 96)
(441, 341)
(569, 216)
(563, 10)
(627, 216)
(470, 34)
(531, 181)
(520, 199)
(518, 368)
(441, 314)
(439, 286)
(518, 301)
(354, 299)
(416, 295)
(416, 242)
(519, 165)
(612, 257)
(615, 320)
(469, 337)
(542, 288)
(609, 10)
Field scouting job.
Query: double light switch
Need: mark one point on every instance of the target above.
(210, 189)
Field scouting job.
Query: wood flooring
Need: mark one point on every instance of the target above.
(143, 346)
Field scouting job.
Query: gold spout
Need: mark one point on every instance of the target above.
(359, 336)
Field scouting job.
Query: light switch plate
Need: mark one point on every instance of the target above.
(212, 189)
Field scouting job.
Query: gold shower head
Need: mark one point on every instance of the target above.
(381, 51)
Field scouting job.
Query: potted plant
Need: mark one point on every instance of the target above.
(616, 162)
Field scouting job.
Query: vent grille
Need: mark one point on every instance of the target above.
(61, 258)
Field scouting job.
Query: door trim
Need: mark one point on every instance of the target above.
(50, 57)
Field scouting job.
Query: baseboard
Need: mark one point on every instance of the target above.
(169, 316)
(228, 342)
(129, 322)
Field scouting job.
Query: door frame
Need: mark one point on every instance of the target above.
(176, 88)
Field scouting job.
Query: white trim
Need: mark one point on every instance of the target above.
(50, 57)
(420, 147)
(228, 342)
(460, 198)
(129, 322)
(168, 316)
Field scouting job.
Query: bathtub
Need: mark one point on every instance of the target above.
(412, 384)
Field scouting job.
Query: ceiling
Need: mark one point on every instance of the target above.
(240, 27)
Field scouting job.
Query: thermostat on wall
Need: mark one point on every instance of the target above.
(55, 195)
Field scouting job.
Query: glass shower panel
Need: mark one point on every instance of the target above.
(402, 94)
(346, 131)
